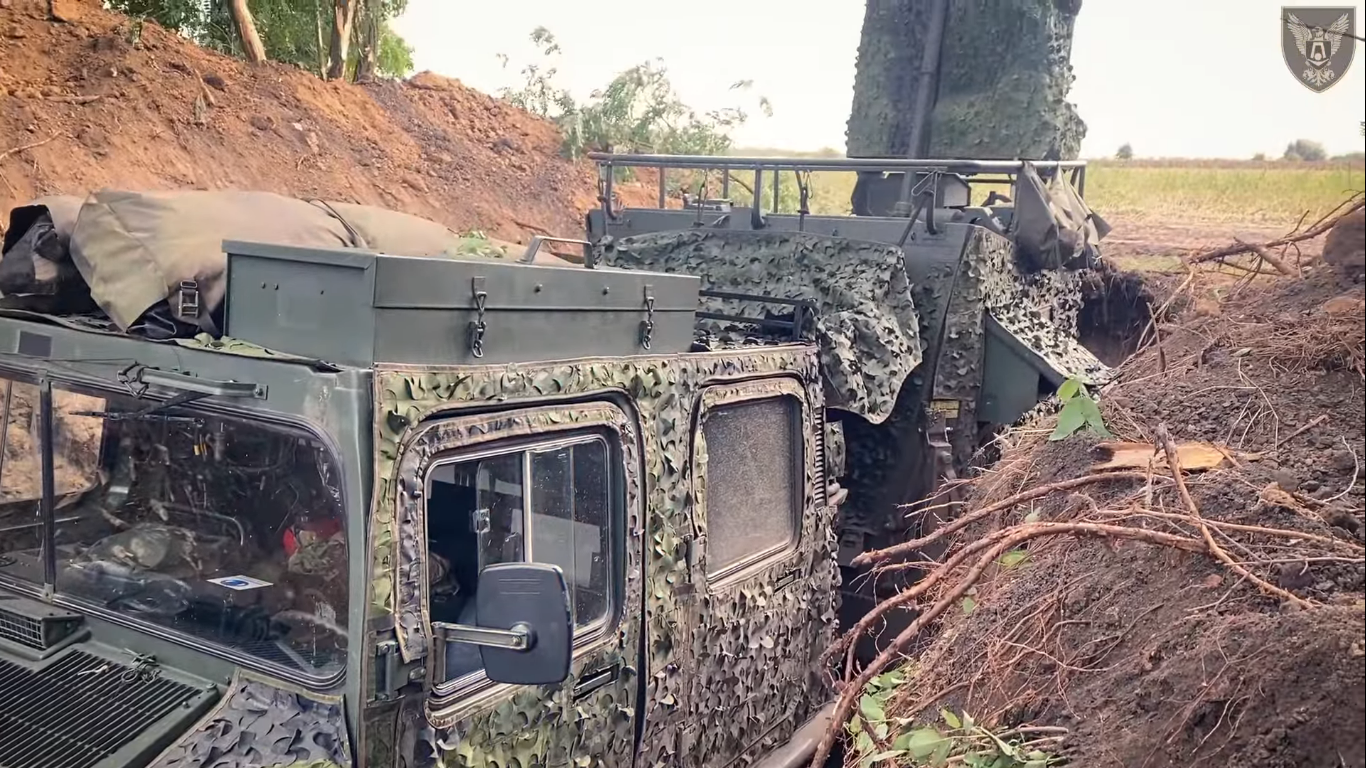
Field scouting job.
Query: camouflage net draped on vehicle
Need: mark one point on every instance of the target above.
(866, 323)
(1005, 72)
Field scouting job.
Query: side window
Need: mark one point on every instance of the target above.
(545, 503)
(75, 467)
(753, 481)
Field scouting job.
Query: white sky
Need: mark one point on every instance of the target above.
(1221, 89)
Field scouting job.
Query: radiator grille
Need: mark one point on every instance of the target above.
(36, 632)
(77, 711)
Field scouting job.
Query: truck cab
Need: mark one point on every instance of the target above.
(416, 511)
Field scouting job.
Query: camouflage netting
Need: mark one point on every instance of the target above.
(258, 724)
(1040, 308)
(1005, 73)
(866, 322)
(731, 666)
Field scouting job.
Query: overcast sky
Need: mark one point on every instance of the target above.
(1174, 78)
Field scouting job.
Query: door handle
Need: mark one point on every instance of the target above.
(597, 680)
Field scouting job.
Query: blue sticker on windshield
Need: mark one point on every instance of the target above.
(239, 582)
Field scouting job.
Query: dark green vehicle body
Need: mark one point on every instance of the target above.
(261, 550)
(689, 650)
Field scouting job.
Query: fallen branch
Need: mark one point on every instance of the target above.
(27, 147)
(909, 547)
(848, 641)
(1282, 533)
(74, 99)
(1271, 258)
(1353, 204)
(1018, 535)
(1174, 463)
(1317, 421)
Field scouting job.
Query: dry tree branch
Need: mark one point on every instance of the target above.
(1018, 535)
(1313, 423)
(1352, 204)
(34, 145)
(1174, 463)
(1222, 525)
(1267, 256)
(909, 547)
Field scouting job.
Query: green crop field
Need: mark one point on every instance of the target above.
(1270, 193)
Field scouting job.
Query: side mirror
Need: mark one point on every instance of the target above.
(524, 631)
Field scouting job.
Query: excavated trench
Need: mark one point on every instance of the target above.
(1117, 307)
(1116, 310)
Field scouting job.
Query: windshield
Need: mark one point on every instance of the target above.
(227, 530)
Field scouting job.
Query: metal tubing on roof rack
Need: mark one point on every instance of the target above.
(826, 163)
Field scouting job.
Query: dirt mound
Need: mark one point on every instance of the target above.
(1134, 621)
(105, 100)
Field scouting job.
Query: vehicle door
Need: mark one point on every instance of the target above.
(765, 568)
(555, 484)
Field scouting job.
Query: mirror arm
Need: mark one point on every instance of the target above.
(516, 639)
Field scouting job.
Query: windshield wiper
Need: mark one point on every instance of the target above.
(137, 378)
(152, 412)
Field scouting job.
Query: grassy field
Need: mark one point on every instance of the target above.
(1256, 193)
(1253, 193)
(1273, 194)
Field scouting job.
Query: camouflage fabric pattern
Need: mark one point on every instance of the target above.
(769, 640)
(380, 742)
(233, 346)
(748, 675)
(836, 450)
(1016, 106)
(1040, 308)
(259, 724)
(866, 323)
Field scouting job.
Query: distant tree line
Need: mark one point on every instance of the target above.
(335, 39)
(1299, 150)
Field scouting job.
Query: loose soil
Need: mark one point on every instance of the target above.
(103, 101)
(1151, 656)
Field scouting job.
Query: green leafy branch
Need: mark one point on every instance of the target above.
(639, 111)
(880, 740)
(1079, 410)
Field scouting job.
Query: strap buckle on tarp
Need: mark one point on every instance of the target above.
(187, 301)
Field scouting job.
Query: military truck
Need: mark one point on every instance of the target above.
(406, 510)
(946, 307)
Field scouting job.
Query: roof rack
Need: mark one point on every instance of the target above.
(803, 313)
(971, 172)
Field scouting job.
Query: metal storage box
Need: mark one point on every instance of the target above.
(357, 307)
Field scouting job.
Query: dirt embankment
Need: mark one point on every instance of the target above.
(101, 100)
(1126, 624)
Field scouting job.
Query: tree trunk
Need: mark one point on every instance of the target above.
(322, 45)
(344, 17)
(246, 31)
(368, 60)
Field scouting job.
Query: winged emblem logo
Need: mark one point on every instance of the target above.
(1319, 44)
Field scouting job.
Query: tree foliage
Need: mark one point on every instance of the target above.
(1304, 149)
(1126, 152)
(638, 111)
(297, 32)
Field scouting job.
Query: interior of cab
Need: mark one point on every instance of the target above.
(226, 530)
(548, 504)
